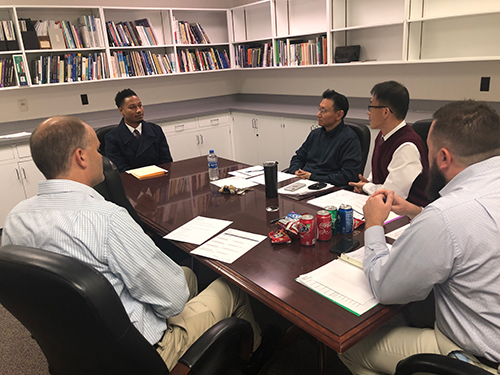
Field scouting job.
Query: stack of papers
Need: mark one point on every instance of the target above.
(237, 182)
(226, 247)
(342, 283)
(356, 201)
(147, 172)
(256, 174)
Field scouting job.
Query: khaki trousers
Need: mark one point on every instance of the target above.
(380, 352)
(218, 301)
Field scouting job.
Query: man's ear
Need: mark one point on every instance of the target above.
(444, 158)
(80, 158)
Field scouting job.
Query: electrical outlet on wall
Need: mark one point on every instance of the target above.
(23, 105)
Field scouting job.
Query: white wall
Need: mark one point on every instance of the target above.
(431, 81)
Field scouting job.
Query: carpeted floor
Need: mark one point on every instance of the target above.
(20, 354)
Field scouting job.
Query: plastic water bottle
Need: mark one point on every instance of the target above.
(213, 167)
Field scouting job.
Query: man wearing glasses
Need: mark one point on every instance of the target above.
(399, 160)
(331, 153)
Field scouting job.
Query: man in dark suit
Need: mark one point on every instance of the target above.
(135, 143)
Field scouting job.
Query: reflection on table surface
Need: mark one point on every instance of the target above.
(267, 272)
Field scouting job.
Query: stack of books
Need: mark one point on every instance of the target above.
(131, 34)
(186, 33)
(195, 60)
(311, 52)
(139, 63)
(253, 55)
(7, 75)
(72, 67)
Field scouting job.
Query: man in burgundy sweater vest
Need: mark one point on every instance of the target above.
(399, 160)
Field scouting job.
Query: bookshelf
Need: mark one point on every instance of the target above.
(263, 34)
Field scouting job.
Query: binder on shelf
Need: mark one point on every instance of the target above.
(28, 34)
(3, 42)
(20, 70)
(345, 54)
(56, 39)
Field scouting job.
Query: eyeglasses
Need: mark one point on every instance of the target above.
(322, 110)
(378, 106)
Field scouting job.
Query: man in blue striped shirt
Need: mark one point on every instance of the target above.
(69, 217)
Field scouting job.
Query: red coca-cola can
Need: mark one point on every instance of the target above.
(307, 230)
(324, 223)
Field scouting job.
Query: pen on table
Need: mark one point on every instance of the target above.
(275, 220)
(245, 238)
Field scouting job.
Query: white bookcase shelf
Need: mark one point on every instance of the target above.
(265, 34)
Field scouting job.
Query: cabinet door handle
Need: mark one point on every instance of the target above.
(201, 136)
(179, 128)
(214, 121)
(197, 139)
(18, 176)
(24, 173)
(257, 123)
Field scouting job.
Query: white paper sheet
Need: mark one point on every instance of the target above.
(229, 245)
(356, 257)
(304, 190)
(397, 232)
(237, 182)
(198, 230)
(357, 201)
(281, 177)
(248, 172)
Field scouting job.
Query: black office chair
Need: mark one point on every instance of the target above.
(421, 127)
(112, 190)
(79, 322)
(101, 135)
(363, 133)
(437, 364)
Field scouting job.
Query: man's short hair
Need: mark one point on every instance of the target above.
(469, 129)
(52, 145)
(122, 95)
(394, 95)
(340, 102)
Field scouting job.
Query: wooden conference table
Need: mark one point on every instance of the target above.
(267, 272)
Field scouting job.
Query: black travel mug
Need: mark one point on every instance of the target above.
(271, 178)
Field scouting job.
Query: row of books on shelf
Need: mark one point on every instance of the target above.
(72, 67)
(7, 74)
(8, 40)
(298, 53)
(139, 63)
(186, 33)
(62, 34)
(195, 60)
(253, 55)
(129, 34)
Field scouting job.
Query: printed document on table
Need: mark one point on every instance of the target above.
(281, 177)
(397, 232)
(198, 230)
(229, 245)
(248, 172)
(357, 201)
(356, 257)
(342, 283)
(237, 182)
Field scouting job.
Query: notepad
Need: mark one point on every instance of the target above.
(147, 172)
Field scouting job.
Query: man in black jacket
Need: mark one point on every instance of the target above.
(331, 153)
(135, 143)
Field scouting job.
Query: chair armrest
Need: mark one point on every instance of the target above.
(437, 364)
(226, 341)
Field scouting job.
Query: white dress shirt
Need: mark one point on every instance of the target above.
(404, 168)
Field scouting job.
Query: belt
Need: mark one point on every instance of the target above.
(487, 362)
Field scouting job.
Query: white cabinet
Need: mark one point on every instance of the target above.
(19, 180)
(195, 137)
(259, 138)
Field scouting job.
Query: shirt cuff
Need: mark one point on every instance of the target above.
(375, 235)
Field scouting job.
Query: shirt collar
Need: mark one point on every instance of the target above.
(139, 128)
(54, 186)
(386, 137)
(490, 166)
(335, 130)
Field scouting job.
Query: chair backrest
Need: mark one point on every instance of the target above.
(112, 189)
(363, 133)
(436, 364)
(421, 127)
(101, 135)
(74, 314)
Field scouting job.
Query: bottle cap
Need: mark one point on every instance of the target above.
(211, 151)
